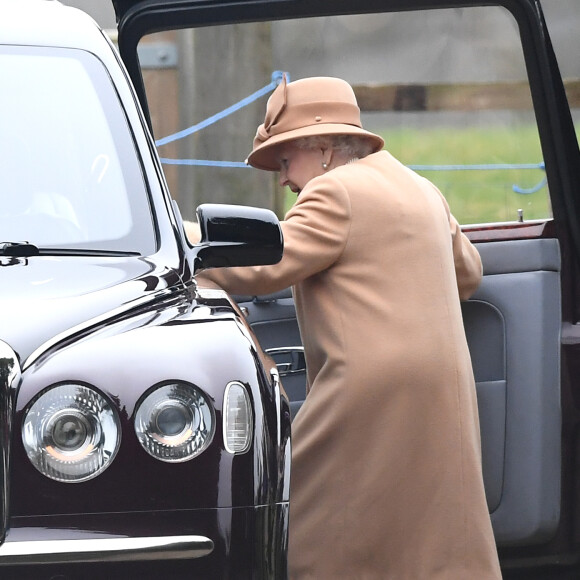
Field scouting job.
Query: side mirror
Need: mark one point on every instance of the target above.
(236, 235)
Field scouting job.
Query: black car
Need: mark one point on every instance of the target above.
(144, 433)
(466, 92)
(111, 352)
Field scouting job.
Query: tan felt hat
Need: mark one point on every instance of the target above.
(304, 108)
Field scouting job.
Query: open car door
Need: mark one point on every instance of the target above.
(470, 96)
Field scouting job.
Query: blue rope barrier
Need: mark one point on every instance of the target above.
(491, 166)
(479, 167)
(475, 167)
(204, 162)
(524, 191)
(276, 80)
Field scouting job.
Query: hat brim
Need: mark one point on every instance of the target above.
(265, 155)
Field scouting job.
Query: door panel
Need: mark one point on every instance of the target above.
(512, 325)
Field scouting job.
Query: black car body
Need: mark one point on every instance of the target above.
(144, 432)
(123, 319)
(439, 67)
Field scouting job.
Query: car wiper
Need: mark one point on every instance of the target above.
(87, 252)
(84, 252)
(26, 249)
(18, 249)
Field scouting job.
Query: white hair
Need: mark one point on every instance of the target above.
(349, 145)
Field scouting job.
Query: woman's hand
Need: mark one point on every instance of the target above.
(192, 231)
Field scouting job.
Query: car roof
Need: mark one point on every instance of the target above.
(122, 7)
(47, 23)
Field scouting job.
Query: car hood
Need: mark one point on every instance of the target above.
(42, 297)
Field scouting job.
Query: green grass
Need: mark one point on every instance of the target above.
(477, 196)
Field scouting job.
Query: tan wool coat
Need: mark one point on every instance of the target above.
(386, 469)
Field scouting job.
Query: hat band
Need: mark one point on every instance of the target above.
(309, 114)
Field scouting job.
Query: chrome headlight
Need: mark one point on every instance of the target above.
(174, 422)
(71, 433)
(238, 422)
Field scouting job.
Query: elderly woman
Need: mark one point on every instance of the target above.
(386, 473)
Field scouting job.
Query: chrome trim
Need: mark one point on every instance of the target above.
(10, 373)
(289, 359)
(104, 550)
(278, 397)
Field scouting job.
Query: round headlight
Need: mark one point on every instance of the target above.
(174, 422)
(71, 433)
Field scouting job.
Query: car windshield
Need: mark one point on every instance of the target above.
(70, 177)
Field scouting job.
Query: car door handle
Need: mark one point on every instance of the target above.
(288, 359)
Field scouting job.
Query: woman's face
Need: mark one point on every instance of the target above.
(299, 166)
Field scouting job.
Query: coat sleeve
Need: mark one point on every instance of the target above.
(468, 267)
(466, 258)
(315, 231)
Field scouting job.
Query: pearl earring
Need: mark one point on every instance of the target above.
(324, 165)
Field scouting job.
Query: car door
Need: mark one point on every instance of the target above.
(468, 95)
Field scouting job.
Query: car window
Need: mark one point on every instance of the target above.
(447, 89)
(70, 175)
